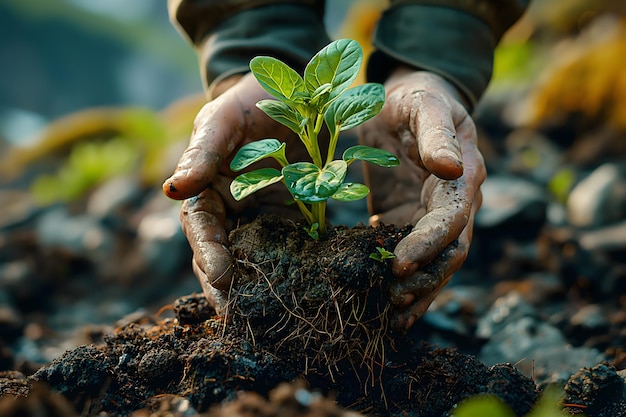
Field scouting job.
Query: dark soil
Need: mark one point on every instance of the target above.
(307, 333)
(301, 309)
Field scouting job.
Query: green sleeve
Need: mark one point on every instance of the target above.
(454, 38)
(228, 34)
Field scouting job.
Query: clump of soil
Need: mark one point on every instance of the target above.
(323, 300)
(299, 309)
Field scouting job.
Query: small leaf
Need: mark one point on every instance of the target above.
(338, 64)
(382, 254)
(255, 151)
(310, 184)
(373, 155)
(355, 106)
(351, 192)
(277, 78)
(283, 113)
(313, 230)
(320, 96)
(250, 182)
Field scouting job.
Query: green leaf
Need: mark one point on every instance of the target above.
(351, 192)
(382, 254)
(310, 184)
(251, 182)
(355, 106)
(338, 64)
(313, 230)
(255, 151)
(283, 113)
(320, 96)
(277, 78)
(368, 154)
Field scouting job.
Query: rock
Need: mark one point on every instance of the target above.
(516, 334)
(590, 318)
(507, 199)
(455, 310)
(608, 238)
(111, 198)
(505, 310)
(600, 198)
(538, 350)
(78, 234)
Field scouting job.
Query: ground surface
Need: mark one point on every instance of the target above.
(292, 319)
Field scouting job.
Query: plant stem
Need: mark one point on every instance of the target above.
(312, 140)
(332, 145)
(319, 213)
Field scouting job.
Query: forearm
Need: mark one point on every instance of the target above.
(453, 38)
(228, 34)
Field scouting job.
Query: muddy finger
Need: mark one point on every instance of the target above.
(447, 215)
(216, 298)
(202, 220)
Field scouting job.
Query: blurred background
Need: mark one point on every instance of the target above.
(97, 99)
(61, 56)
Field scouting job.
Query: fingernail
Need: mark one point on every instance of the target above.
(449, 165)
(444, 153)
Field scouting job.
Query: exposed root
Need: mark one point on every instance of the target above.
(342, 326)
(321, 303)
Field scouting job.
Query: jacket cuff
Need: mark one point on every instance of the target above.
(291, 33)
(452, 43)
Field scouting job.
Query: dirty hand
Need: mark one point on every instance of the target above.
(436, 187)
(202, 179)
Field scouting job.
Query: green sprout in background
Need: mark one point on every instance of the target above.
(304, 105)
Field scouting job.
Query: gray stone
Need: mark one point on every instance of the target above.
(505, 198)
(79, 234)
(600, 198)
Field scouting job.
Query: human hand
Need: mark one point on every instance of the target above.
(436, 187)
(202, 179)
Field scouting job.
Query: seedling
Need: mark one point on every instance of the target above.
(382, 254)
(304, 104)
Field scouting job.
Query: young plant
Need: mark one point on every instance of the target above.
(304, 104)
(382, 254)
